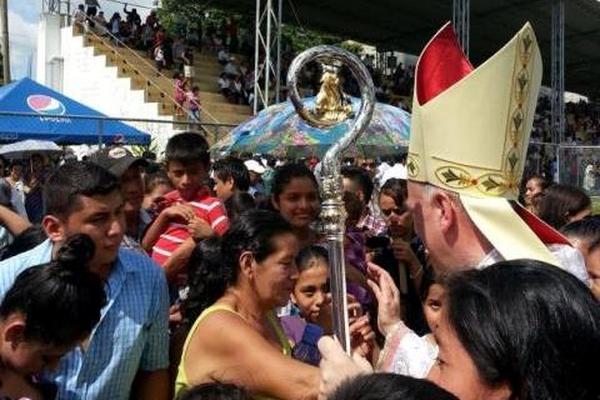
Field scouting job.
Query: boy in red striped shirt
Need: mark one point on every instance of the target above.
(188, 213)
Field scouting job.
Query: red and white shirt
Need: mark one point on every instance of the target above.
(206, 207)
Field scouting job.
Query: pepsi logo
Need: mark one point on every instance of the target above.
(45, 105)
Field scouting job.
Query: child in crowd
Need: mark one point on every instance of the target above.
(311, 294)
(311, 297)
(585, 236)
(230, 175)
(193, 99)
(189, 212)
(404, 354)
(432, 294)
(224, 85)
(295, 195)
(79, 18)
(180, 92)
(159, 58)
(50, 309)
(156, 186)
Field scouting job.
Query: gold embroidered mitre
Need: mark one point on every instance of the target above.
(470, 130)
(470, 127)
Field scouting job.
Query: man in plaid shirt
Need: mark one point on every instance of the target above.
(127, 354)
(357, 180)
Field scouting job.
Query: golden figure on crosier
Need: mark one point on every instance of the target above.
(331, 105)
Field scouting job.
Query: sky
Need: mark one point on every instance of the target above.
(23, 17)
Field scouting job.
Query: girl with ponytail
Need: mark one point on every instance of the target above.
(50, 309)
(235, 283)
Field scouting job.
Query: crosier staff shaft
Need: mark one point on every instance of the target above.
(333, 215)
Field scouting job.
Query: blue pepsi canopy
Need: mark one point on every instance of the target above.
(56, 119)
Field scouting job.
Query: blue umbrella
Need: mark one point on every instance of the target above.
(40, 113)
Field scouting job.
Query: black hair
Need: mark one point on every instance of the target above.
(560, 202)
(359, 177)
(151, 181)
(214, 264)
(16, 163)
(396, 189)
(232, 168)
(353, 206)
(529, 325)
(149, 155)
(310, 253)
(429, 278)
(215, 391)
(25, 241)
(386, 386)
(74, 179)
(285, 174)
(187, 148)
(60, 300)
(541, 180)
(239, 203)
(587, 229)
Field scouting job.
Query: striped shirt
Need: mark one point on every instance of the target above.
(207, 208)
(132, 334)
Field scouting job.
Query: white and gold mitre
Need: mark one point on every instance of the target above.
(470, 130)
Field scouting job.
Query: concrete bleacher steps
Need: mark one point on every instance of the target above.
(98, 75)
(142, 76)
(158, 89)
(128, 85)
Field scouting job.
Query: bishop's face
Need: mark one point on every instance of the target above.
(428, 220)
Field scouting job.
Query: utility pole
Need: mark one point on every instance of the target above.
(4, 41)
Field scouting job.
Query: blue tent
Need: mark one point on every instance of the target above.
(57, 118)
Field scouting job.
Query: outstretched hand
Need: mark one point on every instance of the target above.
(362, 336)
(388, 297)
(336, 366)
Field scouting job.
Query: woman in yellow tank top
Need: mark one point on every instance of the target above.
(236, 338)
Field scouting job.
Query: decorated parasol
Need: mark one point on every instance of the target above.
(280, 131)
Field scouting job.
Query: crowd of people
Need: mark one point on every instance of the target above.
(196, 278)
(237, 239)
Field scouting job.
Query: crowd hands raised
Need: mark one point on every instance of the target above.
(221, 289)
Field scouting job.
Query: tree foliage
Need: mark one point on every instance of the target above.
(175, 15)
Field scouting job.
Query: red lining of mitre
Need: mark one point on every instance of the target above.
(546, 233)
(442, 63)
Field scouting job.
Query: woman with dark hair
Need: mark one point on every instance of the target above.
(562, 204)
(389, 387)
(519, 329)
(535, 186)
(295, 195)
(50, 309)
(234, 288)
(585, 236)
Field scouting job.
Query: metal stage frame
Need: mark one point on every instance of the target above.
(461, 19)
(557, 72)
(267, 44)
